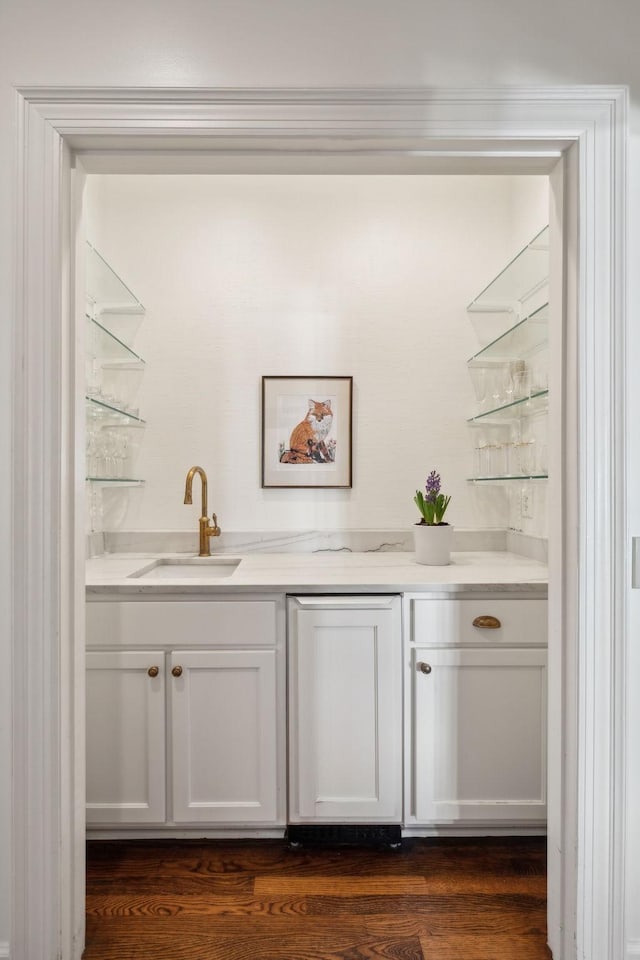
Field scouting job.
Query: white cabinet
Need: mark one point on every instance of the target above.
(224, 737)
(201, 741)
(345, 709)
(125, 737)
(480, 722)
(477, 726)
(187, 723)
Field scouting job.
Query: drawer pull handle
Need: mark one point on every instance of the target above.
(177, 671)
(424, 667)
(153, 671)
(487, 622)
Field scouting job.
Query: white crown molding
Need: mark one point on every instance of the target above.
(324, 96)
(54, 121)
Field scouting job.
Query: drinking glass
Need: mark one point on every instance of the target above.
(480, 387)
(93, 378)
(508, 384)
(527, 457)
(481, 465)
(121, 445)
(92, 448)
(497, 468)
(521, 384)
(496, 387)
(111, 453)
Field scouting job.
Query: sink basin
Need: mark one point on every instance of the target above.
(190, 568)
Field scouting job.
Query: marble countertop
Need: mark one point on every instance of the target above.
(334, 572)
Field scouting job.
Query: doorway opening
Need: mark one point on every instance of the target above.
(365, 274)
(591, 595)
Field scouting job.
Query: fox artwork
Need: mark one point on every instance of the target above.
(309, 441)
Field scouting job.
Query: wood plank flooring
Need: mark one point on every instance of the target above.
(476, 899)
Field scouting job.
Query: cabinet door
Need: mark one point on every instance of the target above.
(479, 746)
(345, 722)
(125, 737)
(223, 721)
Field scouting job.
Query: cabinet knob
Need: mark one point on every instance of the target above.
(153, 671)
(487, 622)
(177, 671)
(424, 667)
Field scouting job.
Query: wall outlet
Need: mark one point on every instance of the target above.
(526, 504)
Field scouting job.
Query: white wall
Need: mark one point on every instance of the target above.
(288, 43)
(366, 276)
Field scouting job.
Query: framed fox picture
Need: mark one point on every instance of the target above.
(306, 431)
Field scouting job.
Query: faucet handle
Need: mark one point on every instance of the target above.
(215, 530)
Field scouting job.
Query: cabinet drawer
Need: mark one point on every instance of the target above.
(193, 623)
(443, 622)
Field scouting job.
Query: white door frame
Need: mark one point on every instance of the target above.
(47, 677)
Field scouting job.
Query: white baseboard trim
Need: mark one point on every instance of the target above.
(4, 950)
(195, 833)
(633, 950)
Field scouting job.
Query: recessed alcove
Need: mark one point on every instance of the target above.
(369, 275)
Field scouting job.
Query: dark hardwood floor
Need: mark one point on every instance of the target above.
(478, 899)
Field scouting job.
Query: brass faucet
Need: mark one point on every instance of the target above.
(206, 531)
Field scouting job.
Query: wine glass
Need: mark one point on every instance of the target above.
(122, 445)
(480, 387)
(508, 385)
(496, 384)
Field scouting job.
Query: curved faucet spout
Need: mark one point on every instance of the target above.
(188, 495)
(206, 531)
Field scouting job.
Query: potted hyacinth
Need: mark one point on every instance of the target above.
(432, 535)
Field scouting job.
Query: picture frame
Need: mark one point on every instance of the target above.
(307, 431)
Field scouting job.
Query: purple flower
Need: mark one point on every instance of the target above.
(433, 487)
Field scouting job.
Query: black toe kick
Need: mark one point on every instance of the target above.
(351, 834)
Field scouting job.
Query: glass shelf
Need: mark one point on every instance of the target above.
(125, 419)
(510, 479)
(105, 290)
(113, 372)
(109, 349)
(520, 341)
(526, 407)
(527, 273)
(123, 481)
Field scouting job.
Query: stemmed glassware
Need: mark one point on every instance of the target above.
(93, 378)
(480, 388)
(121, 448)
(507, 383)
(94, 441)
(496, 387)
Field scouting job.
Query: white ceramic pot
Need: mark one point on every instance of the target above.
(433, 543)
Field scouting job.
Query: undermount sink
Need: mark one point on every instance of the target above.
(189, 568)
